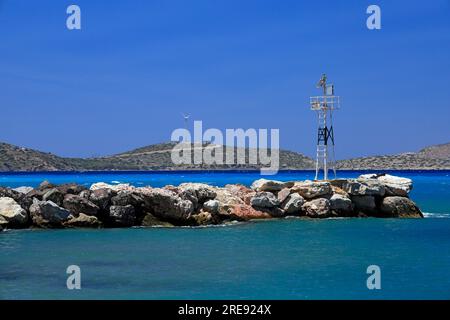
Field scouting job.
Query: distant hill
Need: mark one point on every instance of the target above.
(153, 157)
(440, 151)
(13, 158)
(158, 157)
(430, 158)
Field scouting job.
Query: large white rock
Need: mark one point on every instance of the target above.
(24, 190)
(397, 186)
(270, 185)
(114, 187)
(12, 212)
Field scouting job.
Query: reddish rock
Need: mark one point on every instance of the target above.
(246, 212)
(241, 192)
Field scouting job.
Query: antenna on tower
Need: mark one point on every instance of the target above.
(324, 105)
(186, 119)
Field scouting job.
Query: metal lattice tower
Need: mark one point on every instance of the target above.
(324, 106)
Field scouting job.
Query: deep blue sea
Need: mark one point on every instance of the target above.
(277, 259)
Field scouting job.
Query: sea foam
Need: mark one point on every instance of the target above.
(436, 215)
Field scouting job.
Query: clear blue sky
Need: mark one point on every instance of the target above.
(123, 80)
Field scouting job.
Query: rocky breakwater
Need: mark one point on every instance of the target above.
(194, 204)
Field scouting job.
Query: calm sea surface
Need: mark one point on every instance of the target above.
(279, 259)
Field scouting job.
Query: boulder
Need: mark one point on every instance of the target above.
(167, 205)
(339, 183)
(317, 208)
(77, 204)
(122, 216)
(204, 218)
(151, 221)
(364, 187)
(54, 195)
(3, 223)
(341, 204)
(370, 176)
(270, 185)
(229, 203)
(399, 207)
(48, 214)
(241, 191)
(45, 185)
(12, 212)
(24, 200)
(264, 200)
(71, 188)
(224, 196)
(83, 221)
(114, 187)
(36, 193)
(338, 190)
(211, 206)
(23, 190)
(143, 190)
(364, 204)
(197, 193)
(123, 198)
(10, 193)
(167, 187)
(312, 189)
(85, 194)
(203, 192)
(102, 197)
(101, 185)
(293, 204)
(189, 195)
(395, 186)
(283, 194)
(241, 212)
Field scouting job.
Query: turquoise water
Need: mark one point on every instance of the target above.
(280, 259)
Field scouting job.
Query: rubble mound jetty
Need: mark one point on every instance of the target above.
(194, 204)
